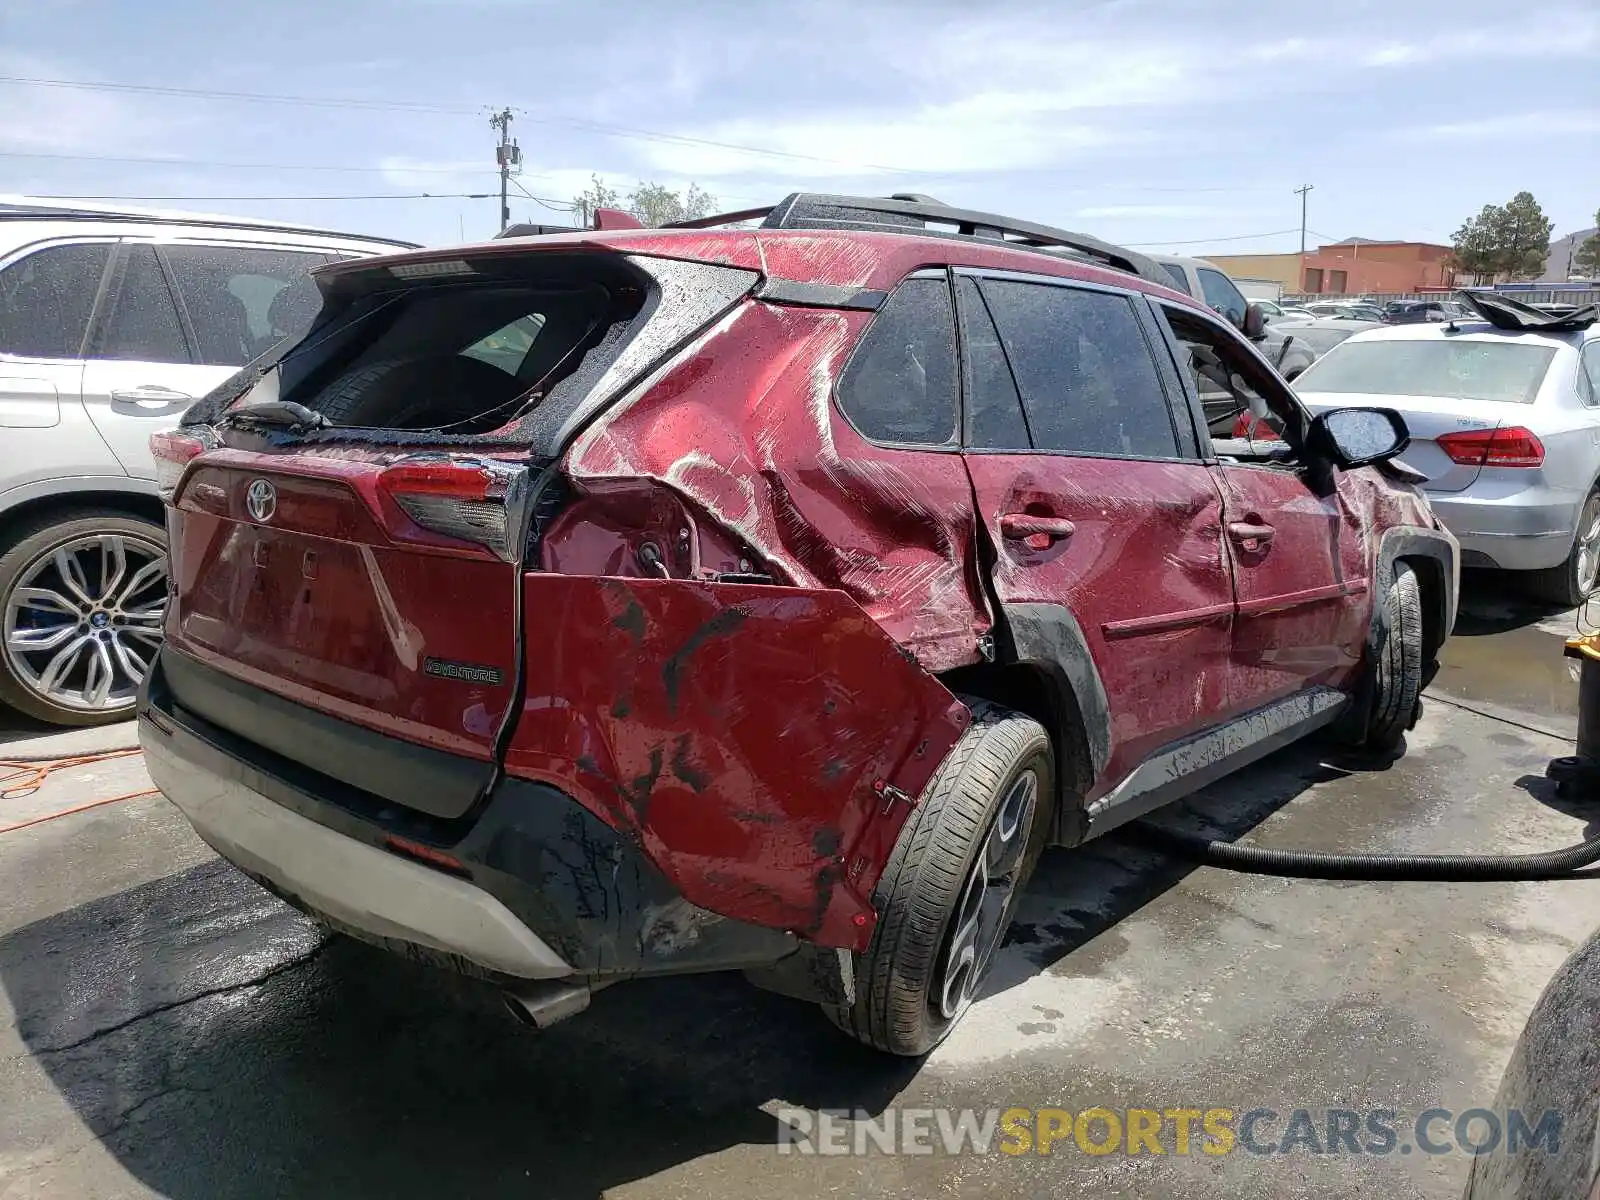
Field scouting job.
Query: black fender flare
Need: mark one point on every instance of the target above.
(1048, 638)
(1417, 544)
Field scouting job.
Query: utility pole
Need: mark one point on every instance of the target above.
(509, 156)
(1302, 190)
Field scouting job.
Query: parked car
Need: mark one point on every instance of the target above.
(111, 323)
(1211, 285)
(1504, 414)
(1348, 310)
(797, 587)
(1413, 312)
(1321, 334)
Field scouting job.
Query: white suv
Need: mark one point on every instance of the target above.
(111, 323)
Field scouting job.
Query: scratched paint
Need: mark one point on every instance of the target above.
(758, 449)
(736, 732)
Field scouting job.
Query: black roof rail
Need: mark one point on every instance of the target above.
(67, 212)
(1504, 312)
(528, 229)
(908, 212)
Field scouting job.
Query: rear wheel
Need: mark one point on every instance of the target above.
(950, 887)
(83, 597)
(1571, 582)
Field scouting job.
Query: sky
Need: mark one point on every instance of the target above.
(1174, 126)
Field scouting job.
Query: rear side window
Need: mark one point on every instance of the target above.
(142, 324)
(1084, 368)
(46, 299)
(1222, 295)
(243, 301)
(1508, 372)
(900, 384)
(1179, 279)
(1589, 378)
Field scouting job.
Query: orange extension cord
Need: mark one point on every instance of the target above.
(22, 777)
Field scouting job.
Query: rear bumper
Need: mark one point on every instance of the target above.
(544, 890)
(1528, 532)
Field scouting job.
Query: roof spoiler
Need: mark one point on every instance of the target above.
(604, 218)
(1503, 312)
(907, 212)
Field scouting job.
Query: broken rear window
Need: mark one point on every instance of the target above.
(456, 358)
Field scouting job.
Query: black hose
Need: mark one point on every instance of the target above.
(1440, 868)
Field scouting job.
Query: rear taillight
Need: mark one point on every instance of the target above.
(476, 500)
(172, 450)
(1513, 446)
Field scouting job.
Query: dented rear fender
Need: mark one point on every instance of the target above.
(750, 739)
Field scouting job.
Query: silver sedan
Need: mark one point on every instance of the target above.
(1505, 423)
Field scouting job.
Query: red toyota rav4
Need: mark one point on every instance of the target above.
(575, 608)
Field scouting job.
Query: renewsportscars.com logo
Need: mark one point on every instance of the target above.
(1178, 1131)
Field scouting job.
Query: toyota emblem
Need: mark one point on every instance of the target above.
(261, 499)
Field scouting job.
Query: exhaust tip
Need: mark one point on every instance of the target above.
(541, 1005)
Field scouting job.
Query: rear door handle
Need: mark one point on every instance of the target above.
(1038, 531)
(149, 401)
(1251, 535)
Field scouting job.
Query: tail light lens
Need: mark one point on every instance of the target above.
(172, 450)
(475, 500)
(1512, 446)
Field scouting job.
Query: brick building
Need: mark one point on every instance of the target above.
(1355, 266)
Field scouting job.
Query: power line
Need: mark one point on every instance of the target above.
(625, 131)
(554, 205)
(375, 196)
(202, 162)
(1238, 237)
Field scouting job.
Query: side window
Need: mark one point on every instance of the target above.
(1589, 380)
(995, 420)
(900, 384)
(508, 346)
(45, 300)
(1222, 295)
(242, 301)
(1241, 397)
(1179, 279)
(142, 324)
(1083, 366)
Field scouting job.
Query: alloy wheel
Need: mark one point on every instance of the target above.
(984, 910)
(84, 621)
(1589, 545)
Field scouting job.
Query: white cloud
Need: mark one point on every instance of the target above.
(59, 120)
(1516, 125)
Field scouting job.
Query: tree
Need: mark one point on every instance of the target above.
(656, 204)
(653, 203)
(1586, 259)
(1510, 240)
(1524, 238)
(596, 195)
(1473, 250)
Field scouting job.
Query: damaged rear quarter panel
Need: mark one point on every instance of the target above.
(743, 426)
(737, 732)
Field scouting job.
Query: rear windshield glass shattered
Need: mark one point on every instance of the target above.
(1508, 372)
(453, 359)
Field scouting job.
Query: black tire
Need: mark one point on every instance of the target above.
(1397, 671)
(25, 545)
(926, 877)
(1563, 584)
